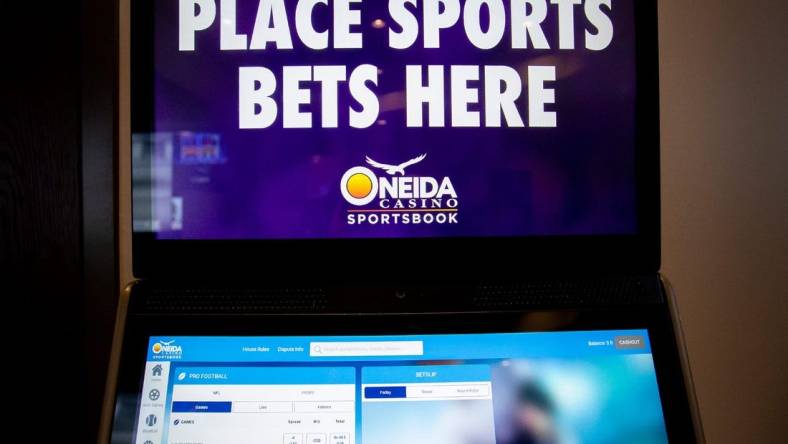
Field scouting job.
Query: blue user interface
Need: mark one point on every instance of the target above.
(501, 388)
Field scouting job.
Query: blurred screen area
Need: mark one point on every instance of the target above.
(164, 163)
(599, 400)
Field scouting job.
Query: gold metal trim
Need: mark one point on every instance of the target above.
(108, 408)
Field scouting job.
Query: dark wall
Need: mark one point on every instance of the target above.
(58, 323)
(724, 81)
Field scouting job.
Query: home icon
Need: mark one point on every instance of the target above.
(156, 370)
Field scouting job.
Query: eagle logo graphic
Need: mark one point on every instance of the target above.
(394, 169)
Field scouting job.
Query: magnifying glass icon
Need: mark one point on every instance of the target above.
(317, 349)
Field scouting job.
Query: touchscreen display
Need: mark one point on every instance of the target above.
(322, 119)
(509, 388)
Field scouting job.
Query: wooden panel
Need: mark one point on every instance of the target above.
(99, 140)
(41, 221)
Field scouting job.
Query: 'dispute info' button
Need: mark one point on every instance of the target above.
(384, 392)
(635, 341)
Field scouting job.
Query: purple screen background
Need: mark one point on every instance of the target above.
(575, 179)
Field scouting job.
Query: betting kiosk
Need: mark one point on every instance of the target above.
(403, 221)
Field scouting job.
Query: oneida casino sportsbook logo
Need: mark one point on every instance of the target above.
(396, 198)
(168, 348)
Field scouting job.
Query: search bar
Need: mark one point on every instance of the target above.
(376, 348)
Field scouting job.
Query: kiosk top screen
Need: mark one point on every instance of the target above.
(332, 119)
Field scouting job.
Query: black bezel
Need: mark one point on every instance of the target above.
(656, 320)
(460, 257)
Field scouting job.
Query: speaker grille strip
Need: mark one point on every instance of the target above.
(575, 293)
